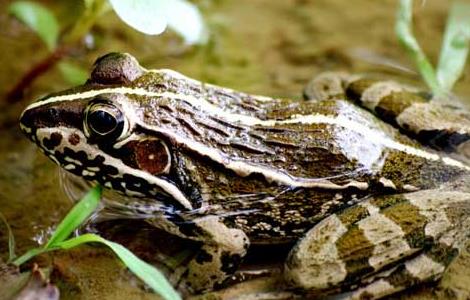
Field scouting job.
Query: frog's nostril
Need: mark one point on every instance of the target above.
(26, 120)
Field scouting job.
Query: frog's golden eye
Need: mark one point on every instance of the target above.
(104, 120)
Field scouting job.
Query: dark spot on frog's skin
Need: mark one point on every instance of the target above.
(445, 140)
(77, 155)
(402, 277)
(392, 105)
(74, 139)
(203, 257)
(356, 88)
(187, 228)
(366, 296)
(442, 253)
(230, 262)
(53, 141)
(107, 169)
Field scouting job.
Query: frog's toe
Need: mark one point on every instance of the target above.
(425, 267)
(326, 86)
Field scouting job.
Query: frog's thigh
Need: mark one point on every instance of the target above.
(378, 235)
(221, 252)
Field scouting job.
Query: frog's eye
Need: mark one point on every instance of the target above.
(104, 120)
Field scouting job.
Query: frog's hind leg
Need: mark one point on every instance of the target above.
(327, 86)
(382, 245)
(435, 123)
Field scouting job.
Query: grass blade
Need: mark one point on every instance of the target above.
(11, 239)
(146, 272)
(79, 213)
(28, 255)
(455, 45)
(39, 18)
(404, 31)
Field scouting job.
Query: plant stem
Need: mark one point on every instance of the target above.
(16, 93)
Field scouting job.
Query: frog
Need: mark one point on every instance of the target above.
(363, 179)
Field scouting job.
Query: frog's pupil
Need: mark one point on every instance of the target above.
(102, 122)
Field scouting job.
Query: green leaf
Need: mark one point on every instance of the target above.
(152, 16)
(30, 254)
(79, 213)
(146, 16)
(455, 45)
(11, 238)
(92, 11)
(38, 18)
(185, 18)
(404, 31)
(146, 272)
(73, 74)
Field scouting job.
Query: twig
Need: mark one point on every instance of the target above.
(17, 92)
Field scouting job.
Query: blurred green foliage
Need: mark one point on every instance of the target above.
(147, 16)
(454, 48)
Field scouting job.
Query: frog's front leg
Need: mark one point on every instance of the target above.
(382, 245)
(219, 256)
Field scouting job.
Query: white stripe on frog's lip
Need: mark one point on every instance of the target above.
(166, 186)
(251, 121)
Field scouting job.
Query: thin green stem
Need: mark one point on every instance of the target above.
(404, 30)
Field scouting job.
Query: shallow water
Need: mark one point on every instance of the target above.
(258, 46)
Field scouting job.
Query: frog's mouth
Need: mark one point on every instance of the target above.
(69, 148)
(113, 206)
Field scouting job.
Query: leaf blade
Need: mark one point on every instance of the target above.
(153, 16)
(187, 21)
(404, 32)
(146, 16)
(146, 272)
(11, 238)
(39, 18)
(28, 255)
(76, 216)
(455, 45)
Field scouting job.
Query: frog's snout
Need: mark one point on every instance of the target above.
(27, 123)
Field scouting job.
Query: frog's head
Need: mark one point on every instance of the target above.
(98, 130)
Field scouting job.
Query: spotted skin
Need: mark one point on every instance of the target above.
(432, 122)
(409, 239)
(227, 169)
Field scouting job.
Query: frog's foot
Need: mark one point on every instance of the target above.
(222, 251)
(435, 123)
(426, 267)
(327, 86)
(382, 245)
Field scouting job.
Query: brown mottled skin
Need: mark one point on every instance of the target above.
(227, 169)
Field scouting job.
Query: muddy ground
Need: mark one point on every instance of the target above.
(258, 46)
